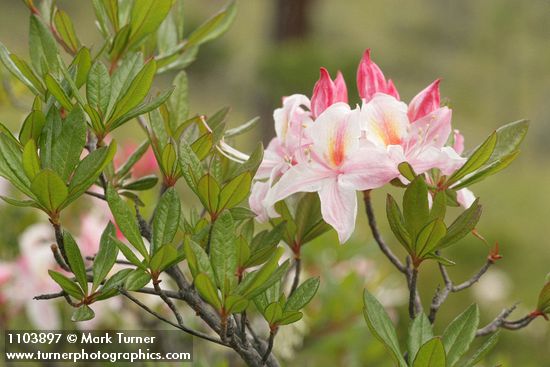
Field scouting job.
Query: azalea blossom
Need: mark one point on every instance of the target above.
(327, 92)
(371, 79)
(338, 164)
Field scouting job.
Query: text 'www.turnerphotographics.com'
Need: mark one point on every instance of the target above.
(87, 346)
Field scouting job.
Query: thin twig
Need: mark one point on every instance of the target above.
(270, 342)
(96, 195)
(412, 294)
(120, 262)
(162, 318)
(377, 237)
(59, 258)
(297, 270)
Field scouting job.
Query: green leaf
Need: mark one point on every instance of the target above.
(65, 30)
(83, 64)
(89, 169)
(478, 158)
(146, 17)
(463, 224)
(431, 354)
(98, 88)
(166, 219)
(197, 259)
(178, 103)
(190, 164)
(543, 304)
(302, 295)
(126, 221)
(407, 171)
(397, 223)
(28, 74)
(439, 206)
(32, 127)
(68, 145)
(483, 350)
(420, 332)
(137, 91)
(429, 237)
(11, 66)
(114, 282)
(120, 43)
(19, 203)
(11, 165)
(83, 313)
(487, 170)
(50, 190)
(223, 252)
(254, 283)
(273, 313)
(209, 192)
(415, 206)
(164, 257)
(309, 221)
(42, 47)
(206, 289)
(66, 284)
(509, 138)
(76, 263)
(381, 327)
(235, 304)
(252, 164)
(460, 333)
(129, 254)
(121, 79)
(213, 27)
(142, 183)
(290, 317)
(106, 256)
(136, 280)
(57, 91)
(31, 164)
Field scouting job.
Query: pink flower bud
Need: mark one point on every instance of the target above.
(370, 79)
(391, 90)
(326, 92)
(425, 102)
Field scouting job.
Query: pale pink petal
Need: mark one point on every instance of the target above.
(465, 198)
(385, 120)
(444, 159)
(257, 195)
(432, 129)
(369, 168)
(425, 102)
(335, 134)
(304, 177)
(458, 145)
(370, 79)
(339, 207)
(273, 156)
(289, 121)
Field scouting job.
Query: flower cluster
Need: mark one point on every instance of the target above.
(324, 145)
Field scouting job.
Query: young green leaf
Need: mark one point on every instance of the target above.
(235, 304)
(166, 219)
(197, 259)
(50, 190)
(11, 165)
(460, 333)
(209, 193)
(415, 206)
(273, 313)
(290, 317)
(65, 30)
(309, 221)
(106, 256)
(543, 304)
(126, 221)
(429, 237)
(431, 354)
(137, 279)
(478, 158)
(82, 313)
(32, 127)
(407, 171)
(487, 170)
(254, 282)
(42, 47)
(178, 103)
(207, 290)
(142, 183)
(146, 17)
(66, 284)
(31, 164)
(381, 327)
(509, 138)
(462, 225)
(420, 332)
(76, 263)
(133, 159)
(28, 73)
(397, 223)
(165, 256)
(11, 66)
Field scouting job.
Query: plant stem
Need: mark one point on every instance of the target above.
(412, 293)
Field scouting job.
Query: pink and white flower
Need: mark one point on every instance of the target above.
(339, 163)
(371, 79)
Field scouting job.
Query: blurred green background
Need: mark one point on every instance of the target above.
(494, 59)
